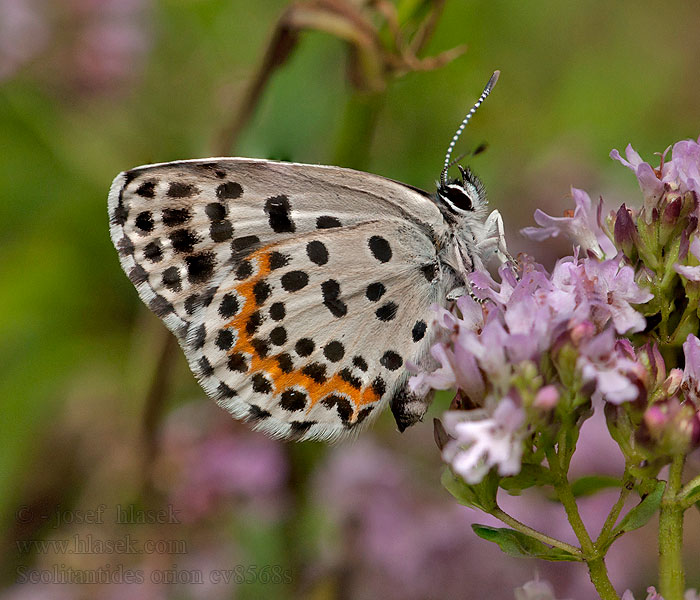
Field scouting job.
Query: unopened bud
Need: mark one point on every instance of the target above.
(547, 397)
(626, 233)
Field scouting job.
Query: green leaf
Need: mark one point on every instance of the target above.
(481, 495)
(530, 475)
(591, 484)
(644, 511)
(519, 544)
(693, 494)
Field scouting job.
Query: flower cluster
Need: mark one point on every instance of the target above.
(538, 352)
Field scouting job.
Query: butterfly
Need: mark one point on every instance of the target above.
(299, 292)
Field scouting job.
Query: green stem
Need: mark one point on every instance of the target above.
(522, 528)
(627, 487)
(671, 574)
(596, 565)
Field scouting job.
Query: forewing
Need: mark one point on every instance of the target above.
(207, 243)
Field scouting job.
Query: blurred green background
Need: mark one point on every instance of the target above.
(92, 87)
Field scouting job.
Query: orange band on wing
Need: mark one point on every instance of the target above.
(281, 380)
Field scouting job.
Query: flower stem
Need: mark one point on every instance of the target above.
(627, 487)
(522, 528)
(594, 559)
(671, 574)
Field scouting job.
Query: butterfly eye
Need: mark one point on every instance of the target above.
(457, 197)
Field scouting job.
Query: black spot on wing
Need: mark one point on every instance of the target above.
(173, 217)
(299, 428)
(331, 298)
(261, 291)
(229, 306)
(293, 281)
(237, 363)
(277, 311)
(278, 336)
(380, 248)
(360, 363)
(220, 231)
(147, 189)
(255, 413)
(184, 240)
(347, 376)
(144, 221)
(342, 405)
(224, 392)
(153, 251)
(215, 211)
(279, 212)
(199, 337)
(229, 190)
(261, 384)
(334, 351)
(386, 312)
(317, 252)
(224, 339)
(327, 222)
(375, 291)
(391, 360)
(304, 347)
(178, 189)
(171, 279)
(200, 267)
(278, 260)
(160, 306)
(418, 332)
(293, 400)
(316, 371)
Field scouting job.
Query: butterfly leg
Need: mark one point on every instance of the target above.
(494, 223)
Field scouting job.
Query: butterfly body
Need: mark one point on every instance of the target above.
(299, 293)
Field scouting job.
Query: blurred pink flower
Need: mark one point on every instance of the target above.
(537, 589)
(24, 33)
(585, 227)
(207, 463)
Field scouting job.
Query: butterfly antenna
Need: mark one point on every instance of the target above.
(463, 124)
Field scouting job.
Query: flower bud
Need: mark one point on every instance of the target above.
(673, 382)
(625, 231)
(671, 427)
(547, 397)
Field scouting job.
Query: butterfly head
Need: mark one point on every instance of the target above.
(462, 197)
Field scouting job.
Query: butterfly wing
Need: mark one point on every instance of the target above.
(298, 292)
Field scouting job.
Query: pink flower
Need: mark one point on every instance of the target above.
(584, 228)
(691, 273)
(614, 290)
(605, 363)
(482, 441)
(691, 373)
(681, 174)
(651, 186)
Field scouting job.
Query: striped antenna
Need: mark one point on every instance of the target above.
(463, 124)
